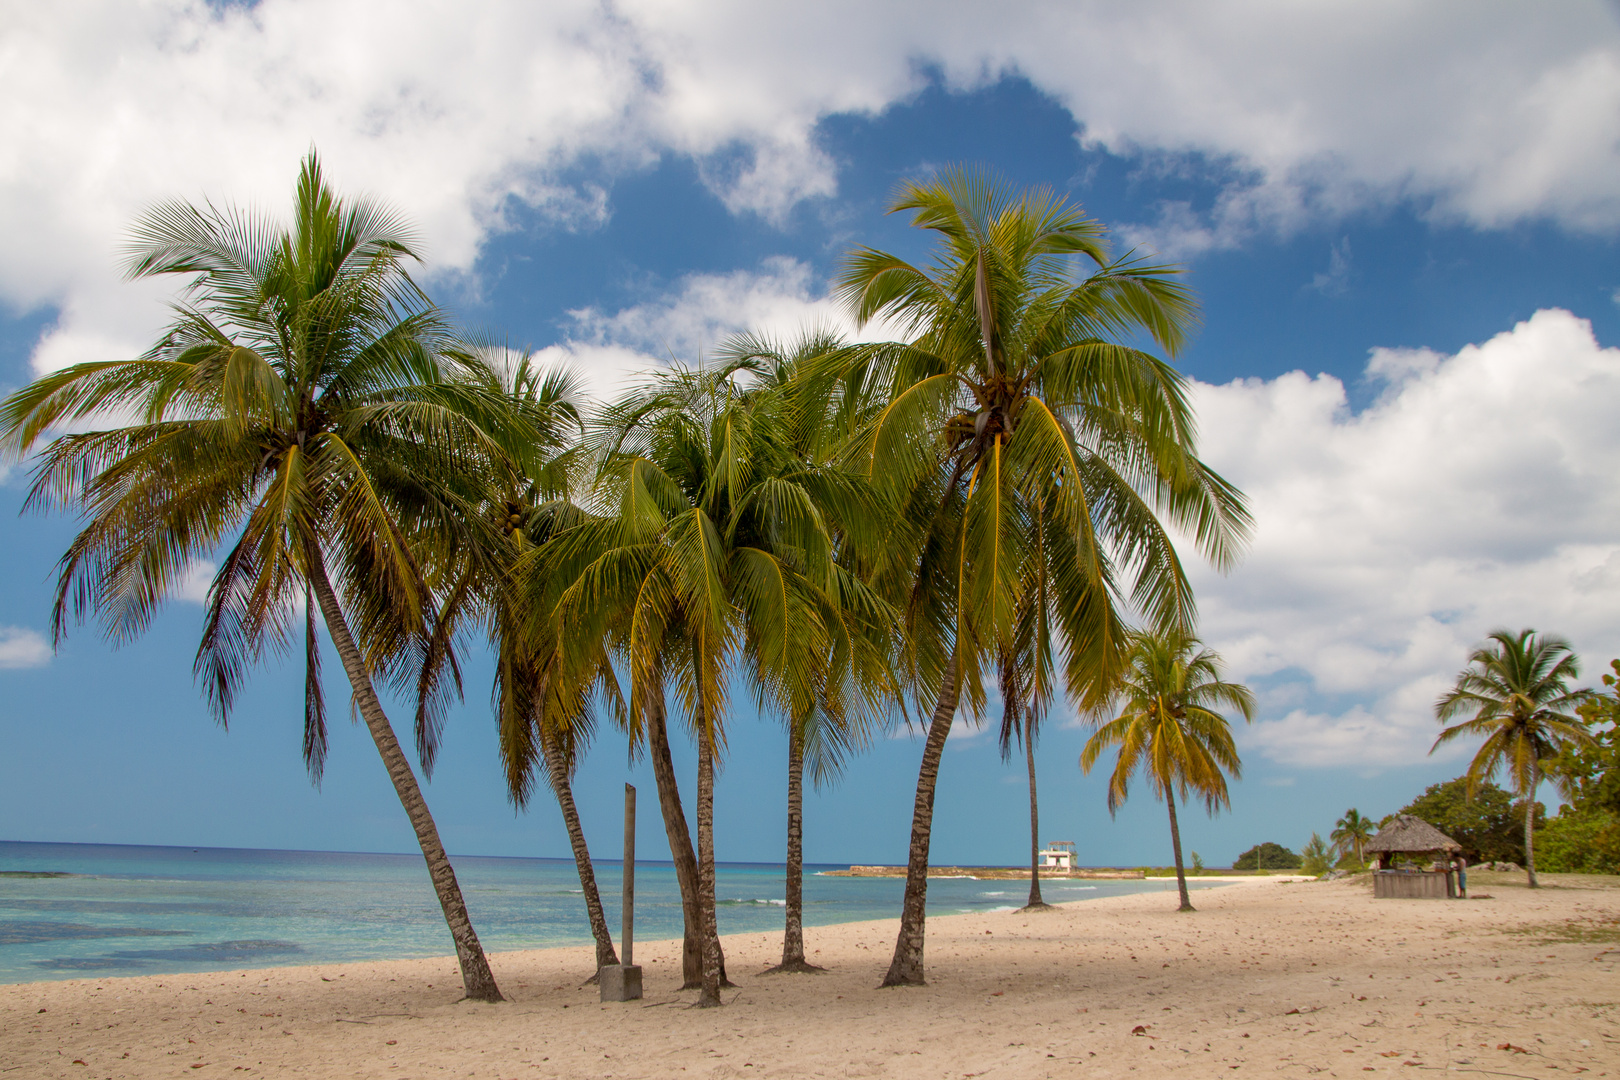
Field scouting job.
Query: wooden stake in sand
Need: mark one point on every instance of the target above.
(622, 981)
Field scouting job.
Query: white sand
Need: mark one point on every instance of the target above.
(1267, 978)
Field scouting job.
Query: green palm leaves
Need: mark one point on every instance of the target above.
(1017, 379)
(1170, 729)
(1351, 833)
(1517, 688)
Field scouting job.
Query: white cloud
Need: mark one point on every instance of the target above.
(704, 309)
(780, 299)
(193, 587)
(23, 648)
(1478, 490)
(456, 112)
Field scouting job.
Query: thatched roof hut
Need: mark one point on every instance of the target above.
(1408, 835)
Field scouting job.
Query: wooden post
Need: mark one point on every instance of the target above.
(627, 930)
(622, 981)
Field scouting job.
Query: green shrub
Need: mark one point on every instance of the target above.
(1579, 842)
(1315, 858)
(1267, 856)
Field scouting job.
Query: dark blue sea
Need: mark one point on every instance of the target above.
(76, 910)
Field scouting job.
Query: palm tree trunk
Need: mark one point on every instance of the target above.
(1529, 825)
(705, 826)
(906, 968)
(793, 936)
(476, 978)
(1175, 843)
(1035, 901)
(605, 954)
(680, 852)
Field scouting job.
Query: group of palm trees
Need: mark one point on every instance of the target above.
(846, 533)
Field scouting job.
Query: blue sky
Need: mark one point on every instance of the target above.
(1407, 350)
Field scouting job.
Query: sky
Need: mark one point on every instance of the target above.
(1400, 218)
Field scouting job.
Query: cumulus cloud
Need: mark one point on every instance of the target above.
(704, 309)
(459, 114)
(1478, 490)
(21, 647)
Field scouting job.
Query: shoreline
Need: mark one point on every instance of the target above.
(170, 916)
(1269, 974)
(1002, 873)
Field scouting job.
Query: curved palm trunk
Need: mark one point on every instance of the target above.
(705, 823)
(1529, 826)
(1175, 842)
(680, 852)
(793, 936)
(1035, 901)
(558, 770)
(906, 968)
(476, 978)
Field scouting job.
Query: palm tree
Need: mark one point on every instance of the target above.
(832, 716)
(303, 412)
(718, 555)
(1026, 678)
(1517, 687)
(1014, 393)
(1169, 727)
(542, 727)
(1351, 833)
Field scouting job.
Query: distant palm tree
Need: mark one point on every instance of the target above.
(1017, 386)
(1028, 676)
(1517, 687)
(304, 412)
(1351, 833)
(1169, 728)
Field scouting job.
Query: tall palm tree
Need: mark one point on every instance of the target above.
(717, 556)
(1014, 391)
(1169, 728)
(832, 716)
(303, 412)
(1517, 688)
(1351, 833)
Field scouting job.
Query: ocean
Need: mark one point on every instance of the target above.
(82, 910)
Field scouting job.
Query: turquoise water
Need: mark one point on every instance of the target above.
(125, 910)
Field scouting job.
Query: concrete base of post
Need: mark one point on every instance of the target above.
(620, 983)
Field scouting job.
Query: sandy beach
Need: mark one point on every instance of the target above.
(1270, 977)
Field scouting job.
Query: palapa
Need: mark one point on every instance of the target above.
(1407, 835)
